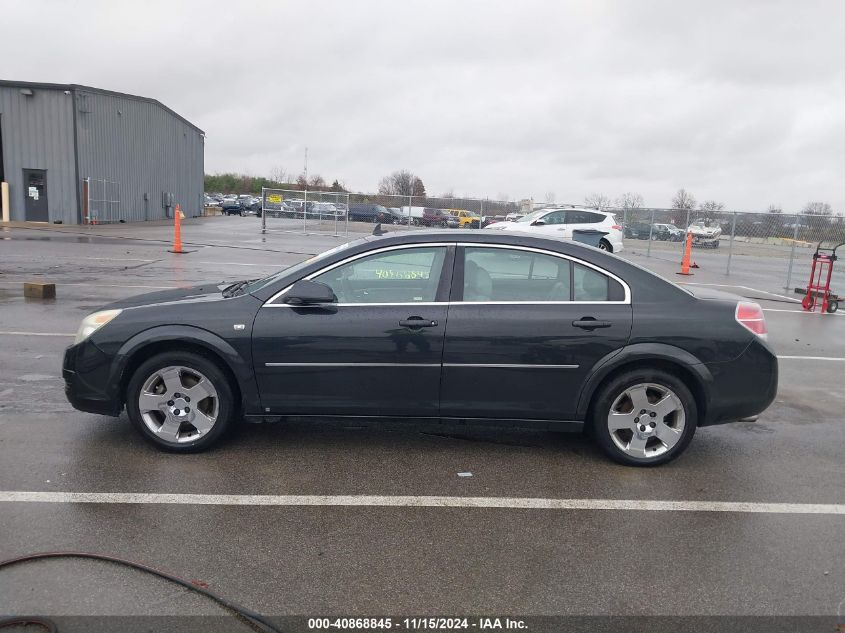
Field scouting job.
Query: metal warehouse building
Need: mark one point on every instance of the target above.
(75, 154)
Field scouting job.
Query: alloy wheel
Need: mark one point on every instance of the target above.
(646, 420)
(178, 404)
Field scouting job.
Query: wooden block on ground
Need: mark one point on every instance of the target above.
(39, 290)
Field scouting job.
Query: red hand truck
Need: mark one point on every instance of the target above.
(819, 285)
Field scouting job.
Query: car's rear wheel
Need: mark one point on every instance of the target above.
(644, 417)
(605, 246)
(180, 401)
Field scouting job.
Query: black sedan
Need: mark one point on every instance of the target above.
(482, 328)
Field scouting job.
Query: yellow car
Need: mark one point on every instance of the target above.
(465, 218)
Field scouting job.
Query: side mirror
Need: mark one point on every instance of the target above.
(305, 292)
(538, 223)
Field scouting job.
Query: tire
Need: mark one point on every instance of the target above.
(605, 246)
(663, 439)
(832, 305)
(188, 425)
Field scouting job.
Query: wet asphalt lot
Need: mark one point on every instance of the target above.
(347, 560)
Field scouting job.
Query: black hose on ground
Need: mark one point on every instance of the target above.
(250, 617)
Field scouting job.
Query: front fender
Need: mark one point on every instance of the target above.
(639, 352)
(240, 367)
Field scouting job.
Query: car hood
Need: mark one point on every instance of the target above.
(704, 230)
(192, 293)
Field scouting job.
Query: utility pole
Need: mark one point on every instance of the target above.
(306, 163)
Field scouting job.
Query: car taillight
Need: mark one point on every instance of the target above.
(617, 227)
(750, 316)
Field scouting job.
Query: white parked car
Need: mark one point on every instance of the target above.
(562, 222)
(705, 233)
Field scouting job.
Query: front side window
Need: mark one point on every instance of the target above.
(555, 217)
(409, 275)
(502, 274)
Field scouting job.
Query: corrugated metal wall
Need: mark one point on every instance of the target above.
(143, 147)
(37, 133)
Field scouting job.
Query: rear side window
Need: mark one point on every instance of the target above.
(590, 285)
(502, 274)
(583, 217)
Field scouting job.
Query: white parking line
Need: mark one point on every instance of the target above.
(833, 358)
(421, 502)
(10, 333)
(98, 284)
(802, 312)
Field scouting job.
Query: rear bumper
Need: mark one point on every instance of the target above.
(743, 387)
(85, 370)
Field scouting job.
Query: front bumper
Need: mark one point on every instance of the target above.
(86, 370)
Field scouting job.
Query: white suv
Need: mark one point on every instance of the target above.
(557, 222)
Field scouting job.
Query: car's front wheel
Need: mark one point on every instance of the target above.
(180, 401)
(644, 417)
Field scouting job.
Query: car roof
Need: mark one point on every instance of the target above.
(635, 275)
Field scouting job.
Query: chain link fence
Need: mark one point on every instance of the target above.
(775, 248)
(292, 210)
(101, 201)
(767, 250)
(295, 210)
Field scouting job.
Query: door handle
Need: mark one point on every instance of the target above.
(590, 323)
(415, 322)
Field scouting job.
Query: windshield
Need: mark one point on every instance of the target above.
(266, 281)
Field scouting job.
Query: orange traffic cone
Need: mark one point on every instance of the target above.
(685, 265)
(177, 231)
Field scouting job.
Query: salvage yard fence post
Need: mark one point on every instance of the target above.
(263, 210)
(650, 233)
(305, 212)
(731, 245)
(792, 252)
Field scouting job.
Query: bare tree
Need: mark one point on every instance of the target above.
(449, 193)
(401, 183)
(279, 175)
(597, 201)
(711, 209)
(550, 196)
(629, 200)
(316, 181)
(774, 208)
(683, 200)
(302, 181)
(337, 186)
(817, 208)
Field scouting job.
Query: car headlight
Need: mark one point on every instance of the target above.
(94, 322)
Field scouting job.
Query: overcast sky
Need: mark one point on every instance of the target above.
(740, 102)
